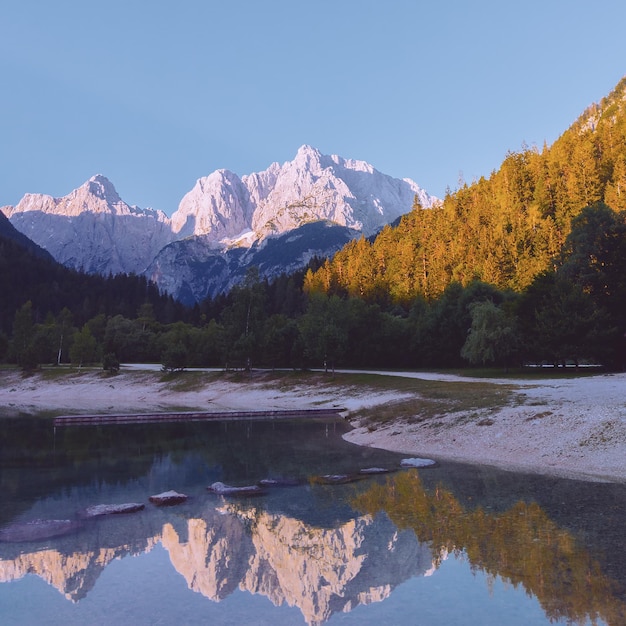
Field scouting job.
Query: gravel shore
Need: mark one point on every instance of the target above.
(574, 427)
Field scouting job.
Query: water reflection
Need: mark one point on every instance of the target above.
(321, 549)
(522, 546)
(233, 546)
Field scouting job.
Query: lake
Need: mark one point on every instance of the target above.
(449, 544)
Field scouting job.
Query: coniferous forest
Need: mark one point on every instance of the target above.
(525, 266)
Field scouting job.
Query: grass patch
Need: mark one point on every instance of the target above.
(528, 373)
(421, 400)
(187, 381)
(434, 399)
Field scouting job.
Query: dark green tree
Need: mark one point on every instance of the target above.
(493, 337)
(243, 321)
(560, 321)
(110, 363)
(175, 358)
(323, 331)
(84, 348)
(22, 344)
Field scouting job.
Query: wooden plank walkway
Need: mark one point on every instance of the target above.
(191, 416)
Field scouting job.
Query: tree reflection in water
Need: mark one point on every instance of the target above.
(522, 546)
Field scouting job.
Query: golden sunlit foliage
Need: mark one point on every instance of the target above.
(522, 545)
(503, 230)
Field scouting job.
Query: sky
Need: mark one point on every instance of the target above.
(155, 94)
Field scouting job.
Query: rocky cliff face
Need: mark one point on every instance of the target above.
(196, 267)
(94, 230)
(218, 206)
(312, 187)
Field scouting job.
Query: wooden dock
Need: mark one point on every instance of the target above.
(191, 416)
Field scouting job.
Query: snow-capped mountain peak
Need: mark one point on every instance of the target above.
(222, 225)
(311, 187)
(92, 228)
(101, 187)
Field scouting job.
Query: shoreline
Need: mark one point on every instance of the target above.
(571, 428)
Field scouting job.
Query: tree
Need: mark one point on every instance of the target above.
(244, 318)
(561, 321)
(110, 363)
(280, 334)
(323, 330)
(23, 349)
(492, 337)
(64, 329)
(174, 358)
(84, 347)
(4, 345)
(594, 256)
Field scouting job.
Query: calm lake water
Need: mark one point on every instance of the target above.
(447, 545)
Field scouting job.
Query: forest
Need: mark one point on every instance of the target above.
(526, 266)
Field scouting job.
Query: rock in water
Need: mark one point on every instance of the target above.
(279, 482)
(168, 498)
(38, 529)
(226, 490)
(335, 479)
(98, 510)
(416, 462)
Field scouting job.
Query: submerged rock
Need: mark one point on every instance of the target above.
(38, 529)
(416, 462)
(335, 479)
(226, 490)
(98, 510)
(279, 482)
(168, 498)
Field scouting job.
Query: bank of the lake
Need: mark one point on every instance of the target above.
(573, 426)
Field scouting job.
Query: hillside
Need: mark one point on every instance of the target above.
(30, 274)
(505, 229)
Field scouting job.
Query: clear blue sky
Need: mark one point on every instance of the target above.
(156, 94)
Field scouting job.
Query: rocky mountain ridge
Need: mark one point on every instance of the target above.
(94, 230)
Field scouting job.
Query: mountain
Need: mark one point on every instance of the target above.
(310, 188)
(196, 267)
(10, 233)
(222, 226)
(92, 228)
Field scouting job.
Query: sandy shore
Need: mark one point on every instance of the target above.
(573, 427)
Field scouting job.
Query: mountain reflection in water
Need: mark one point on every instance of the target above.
(236, 546)
(321, 549)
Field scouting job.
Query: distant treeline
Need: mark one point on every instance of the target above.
(576, 312)
(528, 265)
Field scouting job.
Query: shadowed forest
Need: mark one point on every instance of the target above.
(525, 266)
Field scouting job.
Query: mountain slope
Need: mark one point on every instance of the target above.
(195, 268)
(28, 273)
(504, 230)
(10, 233)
